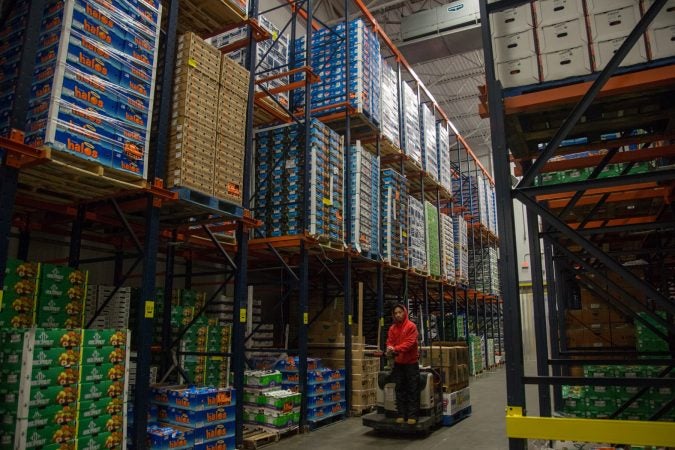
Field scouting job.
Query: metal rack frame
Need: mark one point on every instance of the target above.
(559, 259)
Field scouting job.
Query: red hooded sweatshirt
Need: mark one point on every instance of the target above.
(403, 338)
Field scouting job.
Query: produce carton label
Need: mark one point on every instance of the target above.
(55, 376)
(103, 355)
(46, 437)
(103, 389)
(51, 415)
(21, 269)
(48, 338)
(96, 425)
(102, 338)
(102, 441)
(60, 274)
(56, 357)
(54, 395)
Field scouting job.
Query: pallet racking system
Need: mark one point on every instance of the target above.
(590, 228)
(131, 221)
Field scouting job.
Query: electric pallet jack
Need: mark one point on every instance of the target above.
(431, 404)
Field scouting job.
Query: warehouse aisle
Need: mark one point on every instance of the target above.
(484, 430)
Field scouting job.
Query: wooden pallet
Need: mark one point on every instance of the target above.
(67, 179)
(257, 438)
(208, 202)
(449, 421)
(330, 243)
(207, 16)
(419, 272)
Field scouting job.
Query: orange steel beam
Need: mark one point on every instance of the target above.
(608, 190)
(20, 155)
(281, 115)
(631, 82)
(642, 194)
(615, 222)
(303, 14)
(648, 154)
(400, 58)
(308, 70)
(277, 90)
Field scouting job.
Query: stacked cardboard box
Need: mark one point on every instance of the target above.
(192, 417)
(394, 218)
(267, 406)
(63, 388)
(412, 145)
(325, 387)
(280, 159)
(230, 131)
(328, 60)
(469, 191)
(433, 244)
(93, 82)
(116, 311)
(492, 209)
(483, 270)
(443, 149)
(513, 43)
(417, 247)
(476, 354)
(429, 141)
(364, 190)
(447, 248)
(451, 360)
(453, 403)
(271, 54)
(390, 104)
(661, 32)
(461, 237)
(19, 291)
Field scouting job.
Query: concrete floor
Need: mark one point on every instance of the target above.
(483, 430)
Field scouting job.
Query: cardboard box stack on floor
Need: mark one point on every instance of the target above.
(266, 404)
(63, 388)
(192, 417)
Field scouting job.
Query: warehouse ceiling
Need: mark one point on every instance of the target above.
(450, 64)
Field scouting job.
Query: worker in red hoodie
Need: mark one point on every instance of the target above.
(402, 344)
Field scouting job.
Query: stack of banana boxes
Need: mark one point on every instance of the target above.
(328, 61)
(198, 418)
(364, 189)
(93, 82)
(279, 189)
(63, 388)
(394, 218)
(44, 294)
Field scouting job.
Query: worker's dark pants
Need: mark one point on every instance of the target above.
(407, 379)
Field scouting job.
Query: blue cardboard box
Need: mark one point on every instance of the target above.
(199, 419)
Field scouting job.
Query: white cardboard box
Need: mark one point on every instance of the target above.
(665, 17)
(570, 34)
(520, 72)
(515, 46)
(604, 50)
(549, 12)
(565, 63)
(598, 6)
(511, 21)
(662, 42)
(613, 24)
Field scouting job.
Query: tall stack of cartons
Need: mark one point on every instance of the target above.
(412, 145)
(513, 43)
(461, 249)
(230, 131)
(116, 311)
(271, 54)
(12, 37)
(429, 141)
(364, 190)
(61, 294)
(484, 275)
(433, 244)
(280, 157)
(443, 148)
(447, 248)
(468, 190)
(394, 218)
(64, 388)
(450, 360)
(93, 82)
(482, 200)
(661, 32)
(266, 405)
(610, 22)
(191, 159)
(417, 247)
(20, 289)
(476, 354)
(390, 104)
(328, 58)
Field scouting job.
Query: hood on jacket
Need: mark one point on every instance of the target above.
(405, 310)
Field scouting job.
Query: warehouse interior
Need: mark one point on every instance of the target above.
(209, 210)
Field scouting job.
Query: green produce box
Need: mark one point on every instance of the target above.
(53, 395)
(93, 426)
(55, 376)
(47, 437)
(187, 297)
(103, 355)
(95, 408)
(50, 273)
(53, 357)
(103, 372)
(282, 400)
(262, 378)
(15, 268)
(13, 319)
(63, 338)
(51, 415)
(16, 285)
(102, 338)
(278, 421)
(102, 441)
(103, 389)
(598, 371)
(61, 320)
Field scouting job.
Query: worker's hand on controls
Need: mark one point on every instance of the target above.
(390, 350)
